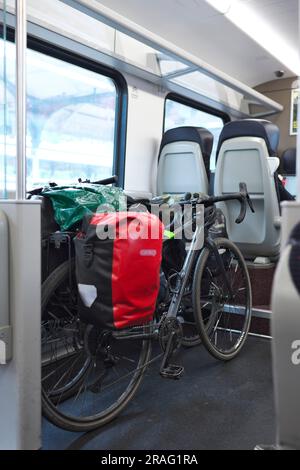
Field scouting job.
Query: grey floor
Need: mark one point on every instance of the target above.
(214, 406)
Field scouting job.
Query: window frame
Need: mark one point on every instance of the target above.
(195, 105)
(121, 112)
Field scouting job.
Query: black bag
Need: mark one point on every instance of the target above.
(48, 223)
(53, 254)
(218, 229)
(173, 256)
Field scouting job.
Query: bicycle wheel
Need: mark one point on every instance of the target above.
(222, 313)
(88, 376)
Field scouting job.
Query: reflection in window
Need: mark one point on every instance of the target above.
(178, 115)
(70, 121)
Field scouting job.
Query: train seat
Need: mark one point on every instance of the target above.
(184, 159)
(247, 152)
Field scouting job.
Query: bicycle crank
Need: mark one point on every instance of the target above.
(170, 339)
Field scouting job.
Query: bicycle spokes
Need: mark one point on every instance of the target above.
(225, 300)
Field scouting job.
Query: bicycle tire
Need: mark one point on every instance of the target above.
(205, 329)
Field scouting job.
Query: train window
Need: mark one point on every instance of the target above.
(179, 114)
(71, 121)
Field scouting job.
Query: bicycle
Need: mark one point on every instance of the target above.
(91, 375)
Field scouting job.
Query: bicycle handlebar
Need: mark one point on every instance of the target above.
(242, 196)
(105, 182)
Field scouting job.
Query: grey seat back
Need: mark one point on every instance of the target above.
(184, 160)
(247, 153)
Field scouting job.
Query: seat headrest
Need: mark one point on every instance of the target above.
(252, 128)
(191, 134)
(288, 162)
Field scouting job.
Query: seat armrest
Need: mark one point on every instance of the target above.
(278, 222)
(273, 163)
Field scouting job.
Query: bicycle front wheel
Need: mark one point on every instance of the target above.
(222, 306)
(88, 376)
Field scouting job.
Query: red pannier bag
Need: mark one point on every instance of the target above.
(118, 260)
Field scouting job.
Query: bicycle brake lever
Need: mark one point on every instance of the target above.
(250, 203)
(244, 192)
(242, 214)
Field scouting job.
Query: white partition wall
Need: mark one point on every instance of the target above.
(20, 369)
(20, 402)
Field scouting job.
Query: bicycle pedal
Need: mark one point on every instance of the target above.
(172, 372)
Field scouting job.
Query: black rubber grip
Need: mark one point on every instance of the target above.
(106, 181)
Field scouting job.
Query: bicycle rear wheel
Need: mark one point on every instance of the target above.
(223, 317)
(88, 376)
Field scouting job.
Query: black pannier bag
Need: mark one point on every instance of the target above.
(174, 254)
(118, 260)
(52, 257)
(218, 229)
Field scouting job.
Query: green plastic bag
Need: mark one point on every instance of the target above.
(72, 203)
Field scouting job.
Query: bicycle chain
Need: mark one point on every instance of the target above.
(167, 327)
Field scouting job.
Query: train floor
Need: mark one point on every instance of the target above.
(214, 406)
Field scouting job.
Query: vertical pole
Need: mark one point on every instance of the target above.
(21, 45)
(3, 168)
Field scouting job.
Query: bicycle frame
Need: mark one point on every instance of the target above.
(183, 276)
